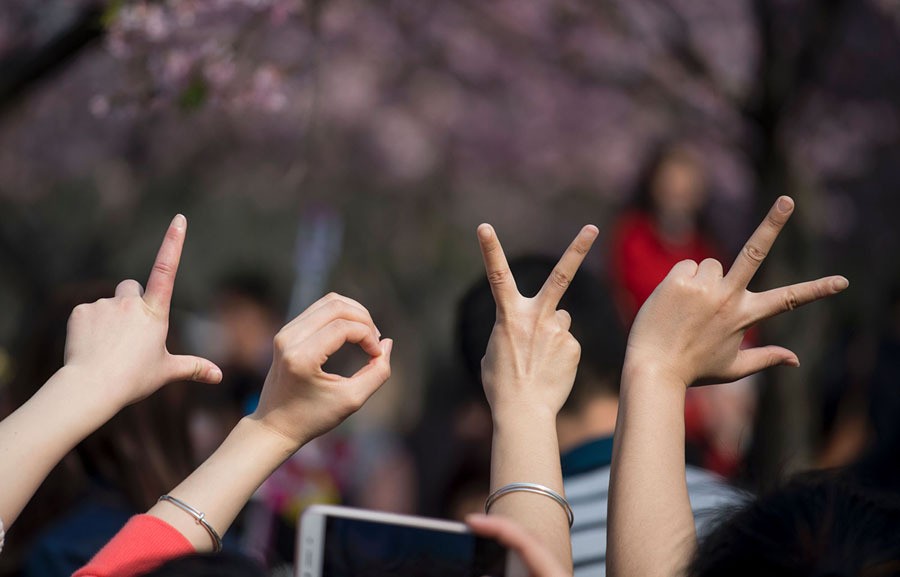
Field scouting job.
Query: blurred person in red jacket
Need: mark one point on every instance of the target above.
(666, 225)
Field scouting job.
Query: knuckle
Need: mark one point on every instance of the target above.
(280, 342)
(336, 307)
(774, 221)
(498, 277)
(581, 248)
(754, 253)
(820, 290)
(198, 369)
(163, 268)
(791, 301)
(560, 279)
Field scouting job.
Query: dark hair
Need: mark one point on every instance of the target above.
(209, 565)
(594, 323)
(252, 286)
(818, 525)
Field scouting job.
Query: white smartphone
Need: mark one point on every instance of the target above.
(346, 542)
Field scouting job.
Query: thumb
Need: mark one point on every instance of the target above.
(370, 378)
(753, 360)
(189, 368)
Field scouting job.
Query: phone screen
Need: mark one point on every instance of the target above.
(359, 548)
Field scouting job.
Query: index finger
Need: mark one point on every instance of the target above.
(757, 247)
(503, 285)
(162, 276)
(556, 284)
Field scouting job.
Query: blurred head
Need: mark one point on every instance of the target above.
(672, 185)
(248, 311)
(595, 324)
(816, 526)
(209, 565)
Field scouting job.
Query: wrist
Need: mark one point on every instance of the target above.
(518, 416)
(271, 436)
(656, 373)
(86, 392)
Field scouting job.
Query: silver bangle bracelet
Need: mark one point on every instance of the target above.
(530, 488)
(199, 517)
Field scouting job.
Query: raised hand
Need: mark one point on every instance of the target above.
(301, 401)
(531, 357)
(119, 343)
(692, 325)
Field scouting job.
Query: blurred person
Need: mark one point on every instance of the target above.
(529, 369)
(245, 317)
(667, 224)
(588, 419)
(689, 333)
(114, 354)
(452, 439)
(248, 313)
(877, 464)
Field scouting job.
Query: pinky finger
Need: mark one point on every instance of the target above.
(750, 361)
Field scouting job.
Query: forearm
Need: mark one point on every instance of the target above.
(526, 450)
(223, 484)
(35, 438)
(651, 527)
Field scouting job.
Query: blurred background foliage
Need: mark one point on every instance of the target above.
(395, 127)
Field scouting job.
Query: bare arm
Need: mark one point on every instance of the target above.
(115, 355)
(528, 372)
(688, 332)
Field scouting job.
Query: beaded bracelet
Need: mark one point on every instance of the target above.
(530, 488)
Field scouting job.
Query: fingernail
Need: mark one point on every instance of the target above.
(179, 221)
(792, 363)
(215, 374)
(388, 346)
(785, 204)
(840, 283)
(377, 333)
(484, 231)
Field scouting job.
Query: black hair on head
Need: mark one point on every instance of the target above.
(818, 525)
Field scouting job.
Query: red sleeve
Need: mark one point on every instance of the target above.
(144, 543)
